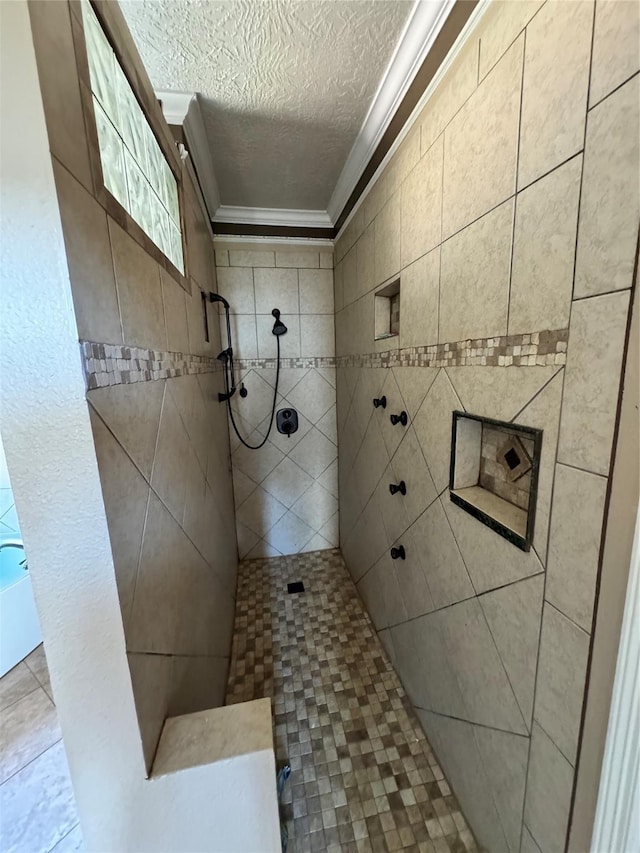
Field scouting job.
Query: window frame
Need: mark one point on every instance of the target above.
(116, 33)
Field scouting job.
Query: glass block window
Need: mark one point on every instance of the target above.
(135, 170)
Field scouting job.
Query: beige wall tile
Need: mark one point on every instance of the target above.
(544, 251)
(29, 727)
(500, 25)
(132, 413)
(243, 331)
(326, 260)
(175, 313)
(316, 291)
(222, 257)
(349, 234)
(86, 239)
(277, 288)
(490, 560)
(338, 287)
(505, 757)
(528, 842)
(350, 276)
(125, 495)
(616, 55)
(556, 80)
(498, 392)
(387, 240)
(474, 278)
(298, 260)
(486, 692)
(413, 385)
(403, 161)
(421, 205)
(454, 743)
(151, 682)
(168, 478)
(236, 285)
(480, 145)
(290, 343)
(317, 335)
(139, 291)
(408, 464)
(610, 203)
(458, 84)
(513, 614)
(543, 412)
(248, 258)
(548, 797)
(364, 251)
(15, 684)
(562, 669)
(59, 84)
(594, 358)
(574, 543)
(195, 325)
(375, 200)
(433, 428)
(441, 560)
(412, 582)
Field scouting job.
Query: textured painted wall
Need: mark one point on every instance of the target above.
(511, 213)
(162, 446)
(284, 86)
(286, 493)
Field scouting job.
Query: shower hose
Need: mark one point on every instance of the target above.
(273, 407)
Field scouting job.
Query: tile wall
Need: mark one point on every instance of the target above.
(161, 438)
(286, 493)
(9, 525)
(511, 212)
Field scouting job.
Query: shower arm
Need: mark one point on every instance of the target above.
(226, 356)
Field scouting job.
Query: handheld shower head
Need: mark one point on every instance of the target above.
(279, 327)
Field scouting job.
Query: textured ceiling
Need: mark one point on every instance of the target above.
(284, 84)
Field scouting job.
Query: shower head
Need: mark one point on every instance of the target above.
(279, 327)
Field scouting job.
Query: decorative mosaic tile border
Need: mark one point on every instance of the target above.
(270, 363)
(537, 348)
(114, 364)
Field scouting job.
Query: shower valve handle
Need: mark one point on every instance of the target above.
(398, 553)
(380, 402)
(402, 418)
(401, 487)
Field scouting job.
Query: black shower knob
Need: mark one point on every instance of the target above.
(380, 402)
(400, 487)
(398, 553)
(402, 418)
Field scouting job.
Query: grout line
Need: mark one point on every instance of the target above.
(31, 761)
(536, 395)
(612, 92)
(604, 293)
(517, 170)
(60, 840)
(568, 618)
(473, 722)
(24, 695)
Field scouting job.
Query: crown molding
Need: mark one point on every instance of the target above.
(221, 240)
(459, 43)
(420, 31)
(273, 216)
(175, 105)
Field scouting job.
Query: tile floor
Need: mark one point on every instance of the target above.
(363, 775)
(37, 809)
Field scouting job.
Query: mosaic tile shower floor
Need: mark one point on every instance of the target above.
(363, 777)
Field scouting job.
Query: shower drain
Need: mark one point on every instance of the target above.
(296, 586)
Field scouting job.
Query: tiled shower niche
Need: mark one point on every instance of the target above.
(494, 474)
(387, 311)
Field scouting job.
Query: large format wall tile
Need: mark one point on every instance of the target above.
(499, 27)
(86, 239)
(421, 225)
(365, 276)
(170, 463)
(548, 796)
(443, 566)
(236, 285)
(543, 412)
(562, 668)
(480, 145)
(387, 240)
(139, 291)
(408, 464)
(574, 543)
(513, 614)
(457, 751)
(610, 203)
(544, 251)
(490, 560)
(433, 428)
(125, 495)
(616, 55)
(419, 301)
(498, 392)
(175, 313)
(594, 359)
(474, 278)
(132, 413)
(556, 80)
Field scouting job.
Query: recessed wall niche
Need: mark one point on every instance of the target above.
(494, 474)
(387, 311)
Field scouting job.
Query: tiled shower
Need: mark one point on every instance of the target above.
(487, 271)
